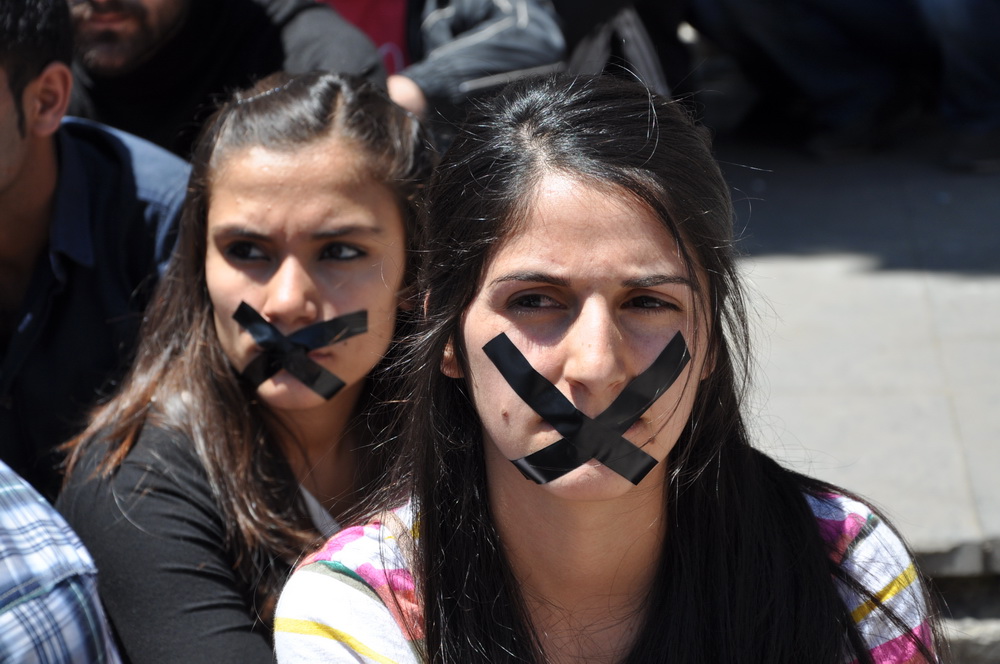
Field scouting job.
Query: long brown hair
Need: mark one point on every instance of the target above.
(182, 381)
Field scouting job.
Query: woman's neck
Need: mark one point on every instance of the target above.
(321, 450)
(585, 567)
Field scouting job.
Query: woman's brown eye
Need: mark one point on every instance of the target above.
(338, 251)
(649, 302)
(244, 251)
(534, 301)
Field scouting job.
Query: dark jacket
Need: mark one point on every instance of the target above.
(114, 223)
(464, 47)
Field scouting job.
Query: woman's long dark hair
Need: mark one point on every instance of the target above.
(182, 380)
(744, 575)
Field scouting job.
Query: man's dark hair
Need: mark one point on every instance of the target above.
(33, 34)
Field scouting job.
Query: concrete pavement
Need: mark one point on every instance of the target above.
(877, 285)
(877, 291)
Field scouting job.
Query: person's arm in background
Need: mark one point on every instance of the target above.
(471, 45)
(49, 608)
(315, 36)
(63, 623)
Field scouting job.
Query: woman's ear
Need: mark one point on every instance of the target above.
(450, 366)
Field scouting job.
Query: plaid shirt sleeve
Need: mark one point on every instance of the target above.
(49, 609)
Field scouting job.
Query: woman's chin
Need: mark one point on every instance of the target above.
(286, 393)
(593, 481)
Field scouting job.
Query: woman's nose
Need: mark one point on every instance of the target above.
(291, 297)
(595, 366)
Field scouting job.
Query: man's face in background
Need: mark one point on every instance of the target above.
(114, 37)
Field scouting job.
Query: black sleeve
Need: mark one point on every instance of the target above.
(165, 577)
(317, 37)
(476, 44)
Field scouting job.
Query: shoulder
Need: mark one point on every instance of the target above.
(156, 450)
(315, 36)
(161, 478)
(880, 572)
(160, 177)
(147, 160)
(48, 585)
(841, 520)
(370, 558)
(65, 623)
(38, 549)
(355, 594)
(860, 540)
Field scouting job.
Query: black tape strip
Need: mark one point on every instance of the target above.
(585, 438)
(291, 353)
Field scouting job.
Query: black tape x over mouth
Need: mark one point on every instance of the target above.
(291, 353)
(586, 438)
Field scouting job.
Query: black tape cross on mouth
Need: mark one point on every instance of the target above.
(291, 353)
(586, 438)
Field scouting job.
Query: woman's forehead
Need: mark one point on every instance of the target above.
(572, 221)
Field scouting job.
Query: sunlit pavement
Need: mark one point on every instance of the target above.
(876, 286)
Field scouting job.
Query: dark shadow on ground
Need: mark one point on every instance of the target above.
(898, 206)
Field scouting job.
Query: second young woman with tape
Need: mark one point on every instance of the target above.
(250, 423)
(578, 484)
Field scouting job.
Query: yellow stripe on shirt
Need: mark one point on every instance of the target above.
(894, 587)
(309, 628)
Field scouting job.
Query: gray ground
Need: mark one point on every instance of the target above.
(877, 289)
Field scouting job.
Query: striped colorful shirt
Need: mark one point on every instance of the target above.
(871, 552)
(354, 600)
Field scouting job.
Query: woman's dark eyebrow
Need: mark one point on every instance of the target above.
(349, 230)
(535, 277)
(239, 230)
(659, 280)
(637, 282)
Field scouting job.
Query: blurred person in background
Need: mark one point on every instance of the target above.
(157, 68)
(851, 72)
(631, 39)
(441, 52)
(87, 221)
(49, 609)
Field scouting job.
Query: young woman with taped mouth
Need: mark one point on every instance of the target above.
(577, 483)
(251, 422)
